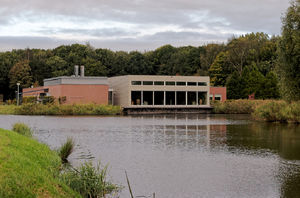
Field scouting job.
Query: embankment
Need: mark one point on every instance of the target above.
(29, 169)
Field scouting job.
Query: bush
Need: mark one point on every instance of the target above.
(235, 106)
(48, 99)
(29, 99)
(279, 111)
(23, 129)
(66, 149)
(89, 181)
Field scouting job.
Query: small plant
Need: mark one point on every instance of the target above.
(89, 181)
(23, 129)
(66, 149)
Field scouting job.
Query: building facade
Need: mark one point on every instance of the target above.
(142, 91)
(218, 93)
(73, 89)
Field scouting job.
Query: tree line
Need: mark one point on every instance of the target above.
(252, 63)
(249, 58)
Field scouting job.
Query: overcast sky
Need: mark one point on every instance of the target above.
(133, 24)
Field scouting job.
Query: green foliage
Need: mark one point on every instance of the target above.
(236, 106)
(220, 61)
(66, 149)
(89, 181)
(279, 111)
(234, 86)
(20, 73)
(29, 169)
(58, 66)
(56, 109)
(22, 129)
(216, 71)
(289, 53)
(29, 99)
(47, 99)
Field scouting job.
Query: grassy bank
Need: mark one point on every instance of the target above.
(238, 106)
(29, 169)
(267, 110)
(278, 111)
(56, 109)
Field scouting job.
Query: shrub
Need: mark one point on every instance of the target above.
(23, 129)
(278, 111)
(48, 99)
(29, 99)
(89, 181)
(66, 149)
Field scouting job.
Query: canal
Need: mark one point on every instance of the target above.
(184, 155)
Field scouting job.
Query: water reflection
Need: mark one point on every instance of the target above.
(184, 155)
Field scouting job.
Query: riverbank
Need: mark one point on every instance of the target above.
(29, 169)
(57, 109)
(266, 110)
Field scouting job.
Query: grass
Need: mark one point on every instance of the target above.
(56, 109)
(29, 169)
(267, 110)
(66, 149)
(237, 106)
(89, 181)
(278, 111)
(22, 129)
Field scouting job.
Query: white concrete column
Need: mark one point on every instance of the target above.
(142, 98)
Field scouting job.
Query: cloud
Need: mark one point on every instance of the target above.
(137, 21)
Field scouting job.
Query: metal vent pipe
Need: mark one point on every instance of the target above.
(82, 71)
(76, 72)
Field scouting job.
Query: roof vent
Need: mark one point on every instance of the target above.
(76, 72)
(81, 71)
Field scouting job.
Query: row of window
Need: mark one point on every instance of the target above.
(168, 98)
(169, 83)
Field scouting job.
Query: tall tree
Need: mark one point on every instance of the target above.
(20, 73)
(216, 71)
(289, 53)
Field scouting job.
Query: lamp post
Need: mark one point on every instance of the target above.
(18, 84)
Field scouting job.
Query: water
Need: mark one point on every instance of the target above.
(182, 156)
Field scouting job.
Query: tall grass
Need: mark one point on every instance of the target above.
(89, 181)
(22, 129)
(237, 106)
(66, 149)
(56, 109)
(278, 111)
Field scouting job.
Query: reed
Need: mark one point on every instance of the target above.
(22, 129)
(89, 181)
(66, 149)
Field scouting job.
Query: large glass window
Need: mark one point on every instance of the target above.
(170, 97)
(170, 83)
(202, 84)
(192, 83)
(136, 82)
(180, 98)
(202, 98)
(181, 83)
(147, 82)
(158, 98)
(147, 97)
(159, 83)
(192, 98)
(136, 97)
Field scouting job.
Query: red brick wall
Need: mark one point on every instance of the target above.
(75, 93)
(218, 90)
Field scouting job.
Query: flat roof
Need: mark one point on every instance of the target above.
(72, 80)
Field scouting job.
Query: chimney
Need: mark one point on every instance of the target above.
(76, 67)
(81, 71)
